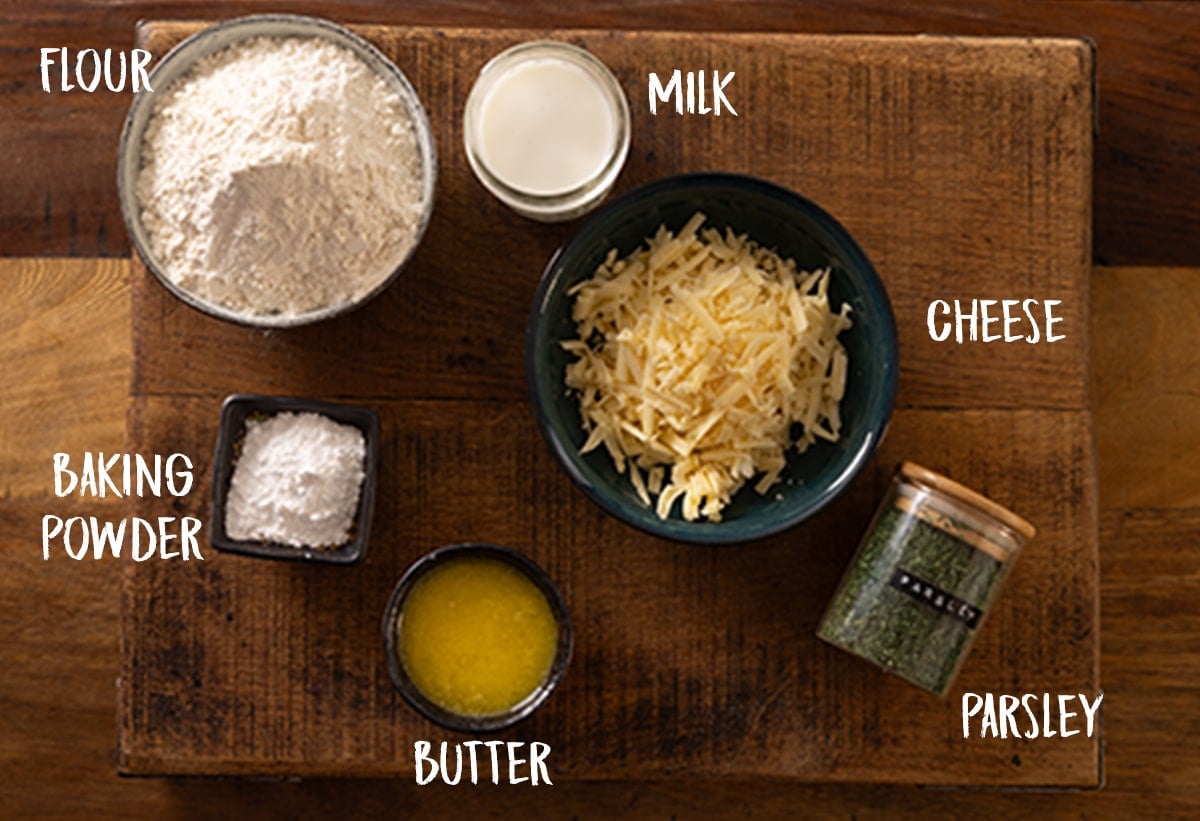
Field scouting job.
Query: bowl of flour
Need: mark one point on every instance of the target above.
(281, 172)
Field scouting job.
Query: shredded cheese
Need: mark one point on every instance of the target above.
(697, 354)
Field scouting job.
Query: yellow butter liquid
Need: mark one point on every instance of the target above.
(477, 636)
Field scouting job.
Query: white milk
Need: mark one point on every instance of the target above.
(546, 126)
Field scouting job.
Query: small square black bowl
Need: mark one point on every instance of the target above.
(234, 413)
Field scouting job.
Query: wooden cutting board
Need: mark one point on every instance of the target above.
(963, 167)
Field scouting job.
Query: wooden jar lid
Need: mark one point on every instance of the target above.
(936, 481)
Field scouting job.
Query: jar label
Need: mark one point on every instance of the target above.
(933, 596)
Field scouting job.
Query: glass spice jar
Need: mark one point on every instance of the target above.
(924, 576)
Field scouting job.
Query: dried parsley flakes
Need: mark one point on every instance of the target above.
(923, 578)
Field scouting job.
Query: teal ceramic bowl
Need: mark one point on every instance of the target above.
(776, 218)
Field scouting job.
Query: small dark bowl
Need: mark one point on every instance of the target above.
(795, 228)
(413, 695)
(234, 412)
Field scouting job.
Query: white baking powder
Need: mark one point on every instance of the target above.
(297, 481)
(280, 176)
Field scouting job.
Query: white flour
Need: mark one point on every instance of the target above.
(280, 176)
(297, 481)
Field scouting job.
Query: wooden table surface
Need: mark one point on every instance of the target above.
(64, 341)
(696, 661)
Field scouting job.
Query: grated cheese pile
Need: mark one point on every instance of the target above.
(697, 354)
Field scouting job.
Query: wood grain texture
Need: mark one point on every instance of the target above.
(59, 197)
(995, 134)
(1147, 394)
(59, 627)
(687, 660)
(56, 338)
(697, 661)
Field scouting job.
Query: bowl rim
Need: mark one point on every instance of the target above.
(186, 53)
(363, 418)
(411, 693)
(702, 531)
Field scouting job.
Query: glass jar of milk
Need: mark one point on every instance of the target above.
(546, 130)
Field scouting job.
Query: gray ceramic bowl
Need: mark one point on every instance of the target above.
(179, 61)
(776, 218)
(234, 413)
(413, 695)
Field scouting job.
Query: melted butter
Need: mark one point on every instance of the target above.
(477, 637)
